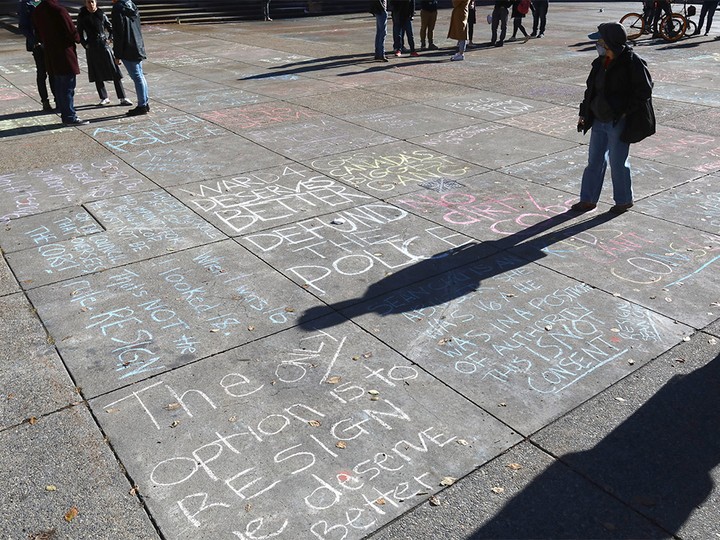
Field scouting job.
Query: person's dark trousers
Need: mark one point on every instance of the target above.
(397, 29)
(708, 9)
(659, 9)
(539, 16)
(39, 57)
(65, 97)
(499, 17)
(119, 89)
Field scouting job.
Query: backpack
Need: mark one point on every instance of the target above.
(523, 7)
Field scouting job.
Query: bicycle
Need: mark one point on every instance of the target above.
(671, 27)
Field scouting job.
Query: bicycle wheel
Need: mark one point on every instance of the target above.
(691, 28)
(634, 25)
(673, 28)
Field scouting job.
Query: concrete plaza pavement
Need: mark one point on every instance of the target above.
(316, 296)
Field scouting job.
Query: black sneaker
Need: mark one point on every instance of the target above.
(75, 122)
(139, 110)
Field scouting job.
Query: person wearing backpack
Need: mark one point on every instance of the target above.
(617, 108)
(520, 8)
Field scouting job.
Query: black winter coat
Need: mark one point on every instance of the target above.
(95, 30)
(628, 89)
(127, 37)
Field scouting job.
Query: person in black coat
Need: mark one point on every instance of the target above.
(500, 13)
(33, 45)
(95, 30)
(129, 48)
(615, 106)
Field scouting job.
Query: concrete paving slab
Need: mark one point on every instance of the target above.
(260, 116)
(695, 204)
(142, 319)
(563, 170)
(560, 122)
(282, 86)
(154, 131)
(651, 441)
(662, 266)
(513, 497)
(403, 122)
(705, 121)
(136, 227)
(520, 341)
(8, 283)
(668, 112)
(201, 159)
(492, 207)
(62, 481)
(33, 380)
(320, 136)
(210, 100)
(701, 96)
(489, 105)
(65, 184)
(355, 254)
(67, 223)
(348, 101)
(301, 434)
(492, 145)
(394, 168)
(681, 148)
(268, 198)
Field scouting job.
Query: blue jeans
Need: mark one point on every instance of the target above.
(380, 34)
(135, 71)
(606, 147)
(65, 97)
(402, 24)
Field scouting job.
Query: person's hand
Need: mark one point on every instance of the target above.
(118, 61)
(581, 124)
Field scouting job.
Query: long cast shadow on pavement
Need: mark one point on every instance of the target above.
(658, 461)
(440, 264)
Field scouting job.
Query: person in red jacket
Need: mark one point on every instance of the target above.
(58, 36)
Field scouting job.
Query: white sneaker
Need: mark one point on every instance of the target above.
(457, 57)
(105, 101)
(126, 102)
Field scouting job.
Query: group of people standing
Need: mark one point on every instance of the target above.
(462, 23)
(52, 37)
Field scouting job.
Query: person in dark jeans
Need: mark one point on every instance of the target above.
(402, 12)
(58, 35)
(661, 6)
(540, 9)
(499, 18)
(33, 45)
(379, 9)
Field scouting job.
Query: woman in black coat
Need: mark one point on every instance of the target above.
(95, 31)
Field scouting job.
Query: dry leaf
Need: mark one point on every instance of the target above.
(434, 501)
(71, 514)
(232, 419)
(172, 406)
(290, 310)
(373, 392)
(213, 330)
(686, 338)
(251, 328)
(32, 420)
(314, 423)
(248, 507)
(514, 466)
(175, 423)
(462, 442)
(134, 491)
(112, 410)
(367, 355)
(50, 487)
(498, 489)
(380, 501)
(334, 380)
(448, 481)
(341, 444)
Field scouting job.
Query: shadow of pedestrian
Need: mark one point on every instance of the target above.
(658, 461)
(453, 273)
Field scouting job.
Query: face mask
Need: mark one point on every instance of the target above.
(600, 49)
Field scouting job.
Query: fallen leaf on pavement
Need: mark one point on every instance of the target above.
(71, 514)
